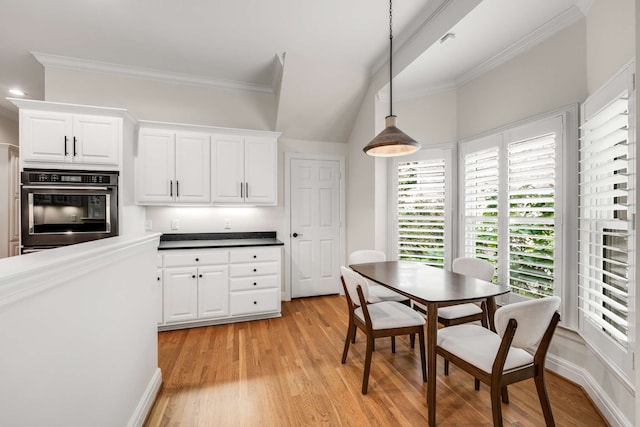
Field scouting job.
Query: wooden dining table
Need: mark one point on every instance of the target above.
(432, 287)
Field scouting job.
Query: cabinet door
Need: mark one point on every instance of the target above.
(180, 294)
(193, 168)
(213, 292)
(260, 167)
(159, 301)
(45, 136)
(155, 165)
(96, 140)
(227, 169)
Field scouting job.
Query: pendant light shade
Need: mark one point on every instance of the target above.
(391, 141)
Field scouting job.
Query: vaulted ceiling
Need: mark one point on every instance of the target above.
(317, 57)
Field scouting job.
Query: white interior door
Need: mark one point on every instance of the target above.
(315, 227)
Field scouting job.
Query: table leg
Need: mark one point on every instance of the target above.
(432, 330)
(491, 310)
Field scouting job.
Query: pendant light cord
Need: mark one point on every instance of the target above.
(390, 59)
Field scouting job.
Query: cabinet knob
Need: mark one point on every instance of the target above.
(255, 256)
(197, 259)
(193, 277)
(199, 275)
(255, 302)
(158, 278)
(254, 270)
(254, 283)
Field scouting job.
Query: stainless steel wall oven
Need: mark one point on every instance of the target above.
(61, 207)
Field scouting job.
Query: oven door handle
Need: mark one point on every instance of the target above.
(63, 187)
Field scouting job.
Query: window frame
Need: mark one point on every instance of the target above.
(607, 347)
(565, 256)
(448, 152)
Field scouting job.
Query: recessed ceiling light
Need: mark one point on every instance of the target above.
(17, 92)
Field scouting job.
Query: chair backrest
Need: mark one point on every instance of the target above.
(474, 267)
(351, 282)
(533, 318)
(366, 255)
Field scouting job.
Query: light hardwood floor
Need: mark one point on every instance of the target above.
(287, 372)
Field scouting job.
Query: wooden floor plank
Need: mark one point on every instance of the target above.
(287, 372)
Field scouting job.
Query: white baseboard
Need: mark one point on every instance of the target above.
(583, 378)
(146, 401)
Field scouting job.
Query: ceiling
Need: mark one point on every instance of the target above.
(238, 40)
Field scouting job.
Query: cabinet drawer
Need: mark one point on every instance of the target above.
(258, 282)
(196, 258)
(255, 269)
(255, 255)
(249, 302)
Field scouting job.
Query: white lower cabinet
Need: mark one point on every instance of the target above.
(208, 286)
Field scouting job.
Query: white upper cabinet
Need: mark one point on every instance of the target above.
(227, 161)
(260, 170)
(173, 167)
(55, 137)
(203, 165)
(244, 170)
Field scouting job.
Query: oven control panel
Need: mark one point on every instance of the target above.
(67, 177)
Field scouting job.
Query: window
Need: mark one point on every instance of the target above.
(511, 204)
(422, 213)
(606, 210)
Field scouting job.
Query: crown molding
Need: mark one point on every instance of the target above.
(585, 6)
(77, 64)
(545, 31)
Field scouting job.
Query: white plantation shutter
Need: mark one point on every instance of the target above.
(422, 214)
(512, 207)
(606, 210)
(531, 191)
(481, 194)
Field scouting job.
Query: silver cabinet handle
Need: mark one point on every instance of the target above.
(171, 188)
(177, 188)
(241, 193)
(246, 189)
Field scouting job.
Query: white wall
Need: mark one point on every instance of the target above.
(161, 101)
(8, 130)
(610, 36)
(548, 76)
(429, 120)
(79, 335)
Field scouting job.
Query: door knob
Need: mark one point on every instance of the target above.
(296, 235)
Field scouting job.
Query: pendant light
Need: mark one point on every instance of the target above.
(391, 141)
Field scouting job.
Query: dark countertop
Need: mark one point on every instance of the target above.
(218, 240)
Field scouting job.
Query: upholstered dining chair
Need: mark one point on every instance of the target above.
(467, 312)
(377, 320)
(499, 359)
(377, 292)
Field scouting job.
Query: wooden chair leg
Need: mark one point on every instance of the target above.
(351, 332)
(484, 322)
(476, 384)
(393, 344)
(367, 364)
(412, 340)
(423, 359)
(544, 398)
(505, 395)
(496, 408)
(353, 340)
(446, 366)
